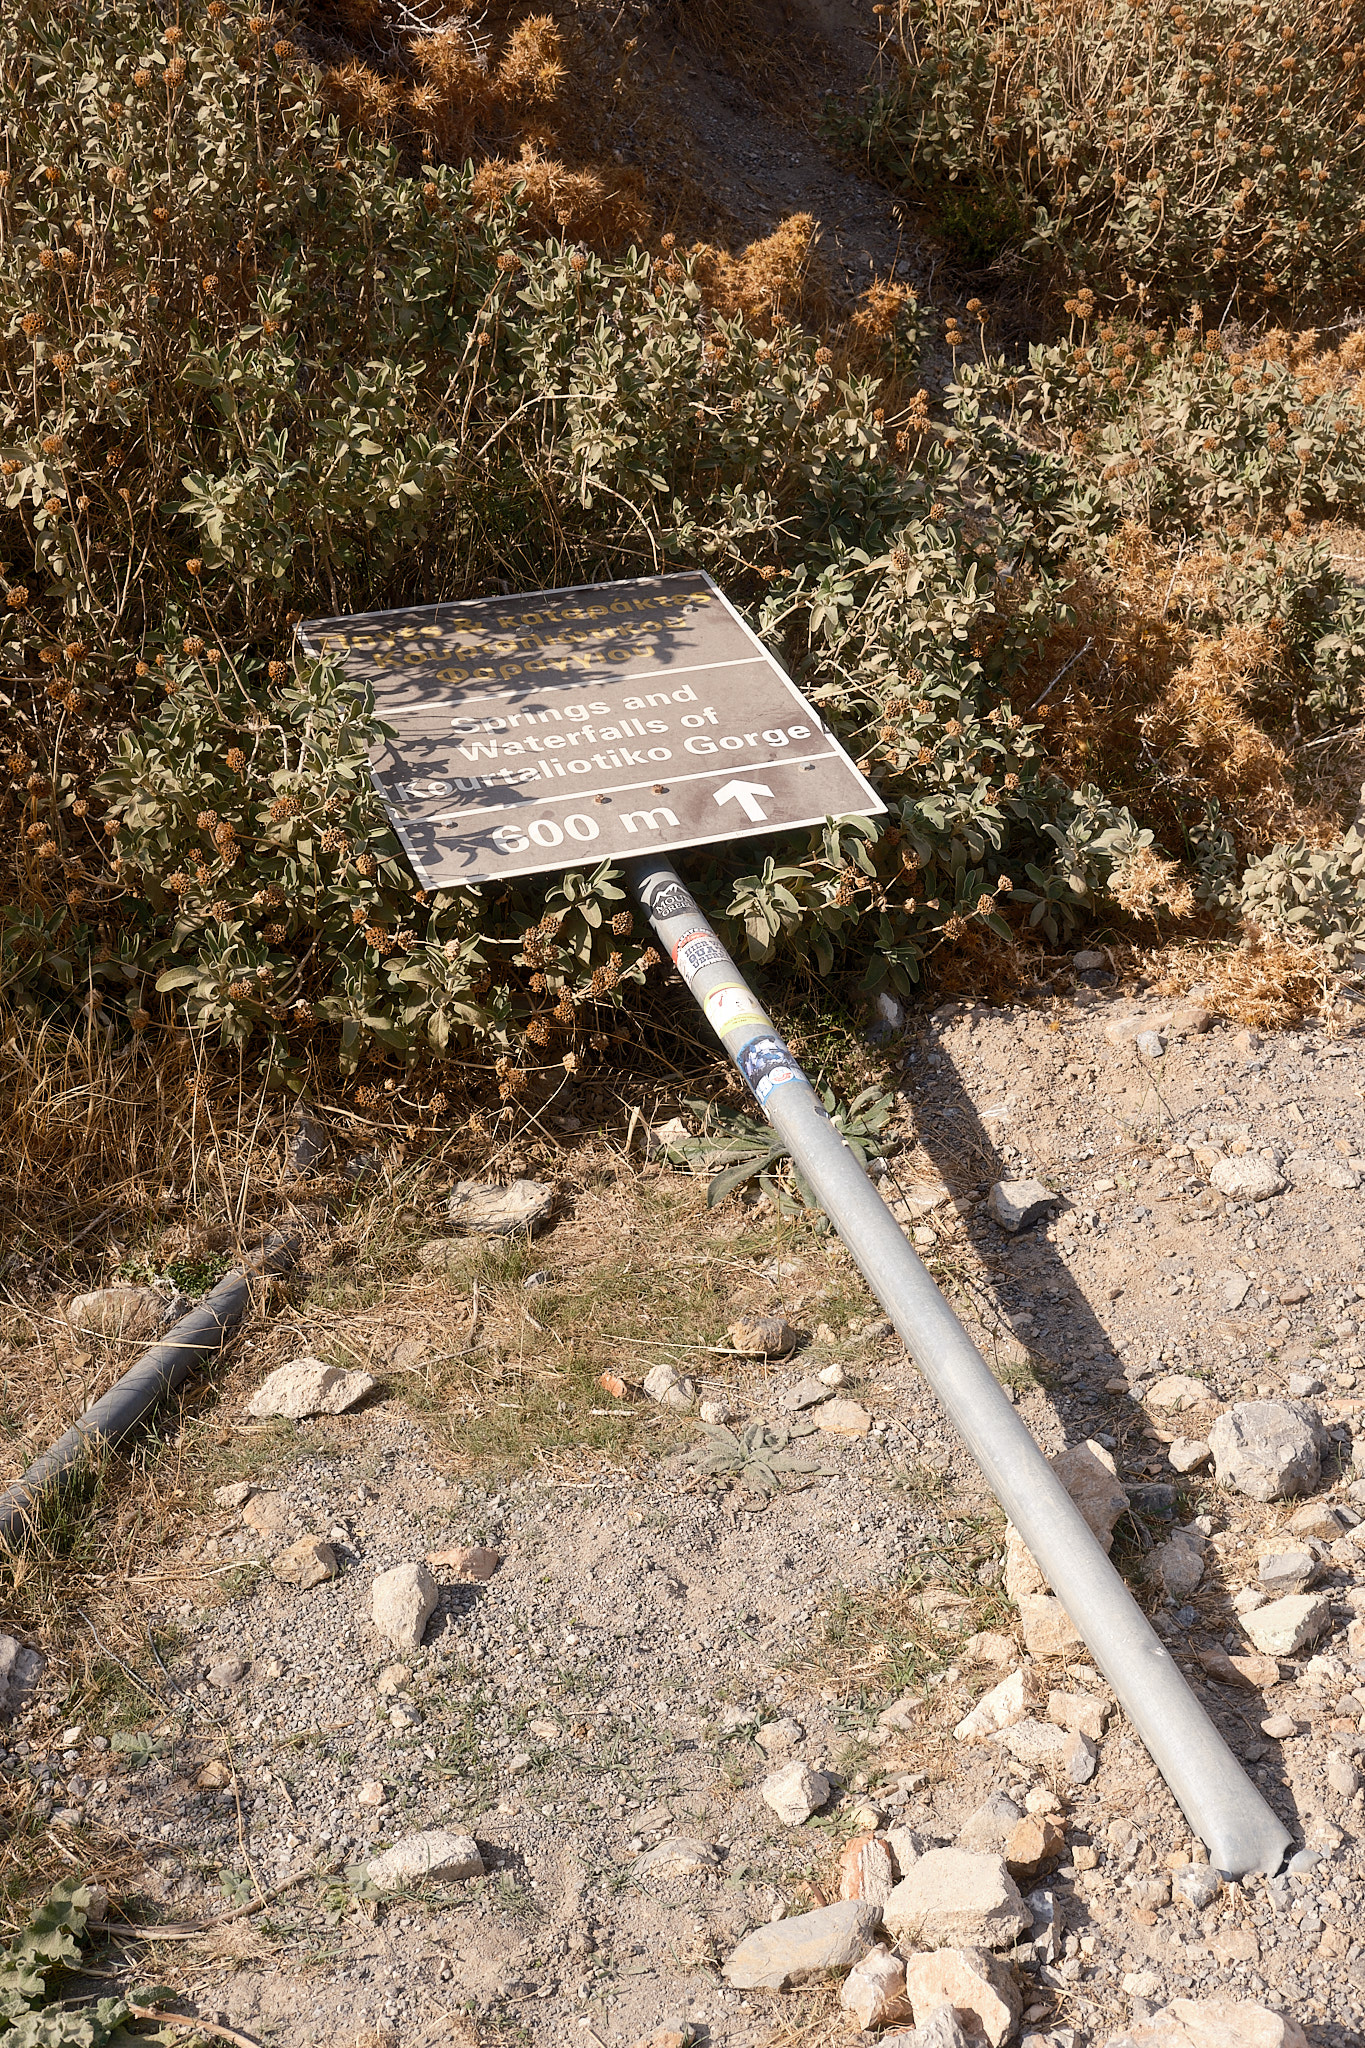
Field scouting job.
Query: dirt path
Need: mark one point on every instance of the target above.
(657, 1639)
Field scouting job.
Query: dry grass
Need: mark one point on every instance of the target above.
(781, 278)
(450, 97)
(1169, 718)
(1264, 981)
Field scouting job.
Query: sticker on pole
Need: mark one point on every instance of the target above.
(565, 727)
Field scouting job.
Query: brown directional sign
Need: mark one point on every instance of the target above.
(565, 727)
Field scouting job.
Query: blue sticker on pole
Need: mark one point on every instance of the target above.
(765, 1064)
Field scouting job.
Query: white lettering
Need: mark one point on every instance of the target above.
(651, 820)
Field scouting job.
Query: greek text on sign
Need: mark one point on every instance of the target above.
(566, 727)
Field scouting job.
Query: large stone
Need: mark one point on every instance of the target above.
(865, 1871)
(1247, 1177)
(1254, 1672)
(1004, 1704)
(981, 1990)
(762, 1336)
(1035, 1843)
(874, 1990)
(1059, 1753)
(666, 1385)
(1319, 1519)
(785, 1951)
(1015, 1204)
(127, 1314)
(1284, 1627)
(1177, 1565)
(942, 2029)
(1213, 2023)
(1079, 1711)
(951, 1898)
(986, 1830)
(20, 1669)
(1048, 1629)
(476, 1563)
(675, 1856)
(308, 1387)
(1178, 1391)
(402, 1602)
(795, 1792)
(435, 1853)
(500, 1212)
(1022, 1575)
(1287, 1571)
(842, 1418)
(309, 1562)
(1087, 1472)
(267, 1512)
(1268, 1450)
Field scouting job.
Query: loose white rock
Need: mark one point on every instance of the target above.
(842, 1418)
(402, 1602)
(980, 1989)
(1042, 1746)
(128, 1313)
(664, 1384)
(1284, 1627)
(1287, 1571)
(305, 1386)
(1078, 1711)
(1188, 1453)
(784, 1952)
(500, 1212)
(1004, 1704)
(986, 1830)
(1047, 1628)
(1268, 1450)
(676, 1856)
(780, 1738)
(951, 1898)
(1213, 2023)
(865, 1870)
(1196, 1884)
(874, 1990)
(795, 1792)
(1178, 1564)
(1248, 1178)
(1015, 1204)
(432, 1854)
(307, 1563)
(1177, 1390)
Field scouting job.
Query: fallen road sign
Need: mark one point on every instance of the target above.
(564, 727)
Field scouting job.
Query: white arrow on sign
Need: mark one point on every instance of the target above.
(745, 792)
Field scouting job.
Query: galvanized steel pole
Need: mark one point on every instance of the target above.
(1241, 1832)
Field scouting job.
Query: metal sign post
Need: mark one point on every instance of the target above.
(1223, 1807)
(533, 734)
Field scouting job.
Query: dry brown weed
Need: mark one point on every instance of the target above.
(780, 278)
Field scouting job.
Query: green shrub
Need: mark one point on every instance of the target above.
(1212, 149)
(253, 371)
(1313, 892)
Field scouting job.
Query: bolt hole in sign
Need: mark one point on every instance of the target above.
(565, 727)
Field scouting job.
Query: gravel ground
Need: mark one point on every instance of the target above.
(602, 1692)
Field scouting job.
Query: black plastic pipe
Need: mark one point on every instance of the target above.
(127, 1405)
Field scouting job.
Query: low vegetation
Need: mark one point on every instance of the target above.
(285, 332)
